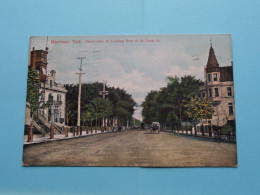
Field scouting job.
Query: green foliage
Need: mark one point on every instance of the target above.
(198, 108)
(103, 108)
(168, 104)
(226, 130)
(149, 107)
(89, 114)
(34, 92)
(118, 103)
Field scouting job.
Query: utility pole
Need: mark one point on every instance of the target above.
(79, 97)
(103, 93)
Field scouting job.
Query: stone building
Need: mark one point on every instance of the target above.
(55, 93)
(219, 88)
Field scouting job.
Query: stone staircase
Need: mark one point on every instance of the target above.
(42, 121)
(40, 128)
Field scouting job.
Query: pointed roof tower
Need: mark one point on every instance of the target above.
(212, 65)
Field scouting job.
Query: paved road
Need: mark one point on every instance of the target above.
(131, 148)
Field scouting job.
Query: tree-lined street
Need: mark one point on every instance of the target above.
(103, 116)
(131, 148)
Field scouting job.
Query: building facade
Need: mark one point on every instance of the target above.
(219, 88)
(55, 94)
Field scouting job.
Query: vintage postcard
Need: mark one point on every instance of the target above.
(130, 100)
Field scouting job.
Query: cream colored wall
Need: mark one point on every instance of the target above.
(54, 90)
(221, 112)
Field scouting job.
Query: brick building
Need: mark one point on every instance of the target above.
(38, 62)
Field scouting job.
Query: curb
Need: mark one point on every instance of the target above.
(26, 144)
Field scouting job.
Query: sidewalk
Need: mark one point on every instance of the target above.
(38, 139)
(199, 135)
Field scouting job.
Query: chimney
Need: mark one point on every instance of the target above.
(53, 72)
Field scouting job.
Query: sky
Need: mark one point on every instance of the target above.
(136, 63)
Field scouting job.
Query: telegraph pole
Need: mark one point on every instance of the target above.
(103, 93)
(79, 97)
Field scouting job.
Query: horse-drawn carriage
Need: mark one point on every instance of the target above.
(155, 127)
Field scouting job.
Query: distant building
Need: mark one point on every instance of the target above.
(219, 88)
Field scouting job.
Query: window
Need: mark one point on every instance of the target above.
(210, 92)
(50, 83)
(209, 77)
(49, 115)
(230, 108)
(56, 114)
(216, 92)
(215, 77)
(42, 97)
(50, 98)
(202, 94)
(229, 92)
(43, 71)
(58, 97)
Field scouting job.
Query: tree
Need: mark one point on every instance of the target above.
(71, 104)
(125, 110)
(163, 107)
(34, 92)
(90, 91)
(167, 105)
(149, 107)
(199, 108)
(88, 114)
(184, 89)
(69, 114)
(102, 107)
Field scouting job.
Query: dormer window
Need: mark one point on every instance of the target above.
(215, 77)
